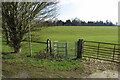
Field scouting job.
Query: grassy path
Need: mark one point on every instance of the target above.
(15, 66)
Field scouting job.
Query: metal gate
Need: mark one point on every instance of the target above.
(65, 49)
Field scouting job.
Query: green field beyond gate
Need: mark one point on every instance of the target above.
(73, 33)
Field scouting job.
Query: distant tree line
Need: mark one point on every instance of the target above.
(76, 22)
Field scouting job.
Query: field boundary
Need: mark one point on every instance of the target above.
(48, 44)
(90, 49)
(102, 51)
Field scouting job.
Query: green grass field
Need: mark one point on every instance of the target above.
(73, 33)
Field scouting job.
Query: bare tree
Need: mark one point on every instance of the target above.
(18, 16)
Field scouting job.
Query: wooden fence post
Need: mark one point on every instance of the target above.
(49, 46)
(66, 49)
(50, 42)
(80, 48)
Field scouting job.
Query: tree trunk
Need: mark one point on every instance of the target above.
(17, 47)
(7, 37)
(17, 50)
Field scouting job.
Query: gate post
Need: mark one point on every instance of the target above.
(49, 46)
(66, 49)
(80, 43)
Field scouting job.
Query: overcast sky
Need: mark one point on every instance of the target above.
(89, 10)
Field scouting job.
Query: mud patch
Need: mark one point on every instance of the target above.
(94, 68)
(22, 75)
(104, 74)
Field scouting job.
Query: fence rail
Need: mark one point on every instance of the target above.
(101, 50)
(90, 49)
(66, 49)
(102, 42)
(35, 41)
(48, 45)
